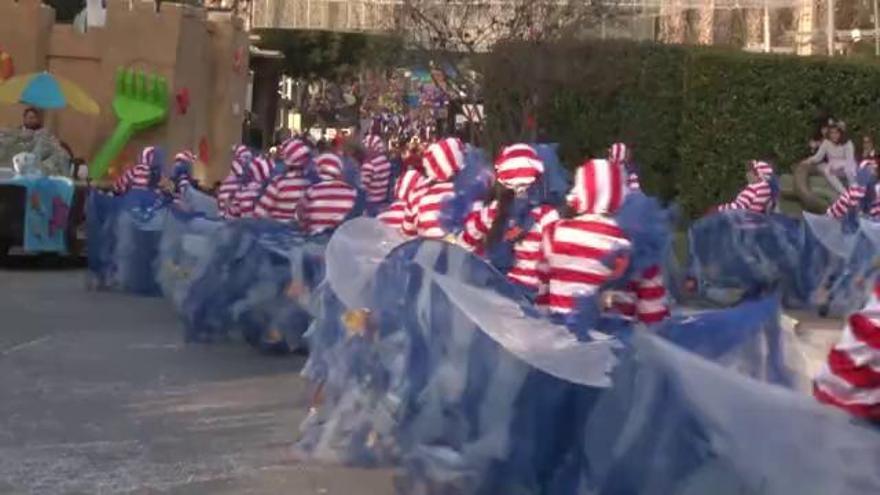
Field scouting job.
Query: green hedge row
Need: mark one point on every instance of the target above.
(695, 116)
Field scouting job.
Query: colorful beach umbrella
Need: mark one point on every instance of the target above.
(44, 90)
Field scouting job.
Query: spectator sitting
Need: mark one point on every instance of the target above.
(835, 157)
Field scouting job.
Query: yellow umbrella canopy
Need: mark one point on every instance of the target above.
(47, 91)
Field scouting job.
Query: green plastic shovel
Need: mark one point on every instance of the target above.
(141, 102)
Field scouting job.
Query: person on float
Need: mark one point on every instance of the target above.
(408, 182)
(441, 162)
(182, 175)
(329, 202)
(620, 153)
(244, 201)
(761, 193)
(835, 157)
(856, 197)
(375, 172)
(145, 174)
(645, 297)
(494, 221)
(238, 176)
(585, 252)
(850, 379)
(284, 193)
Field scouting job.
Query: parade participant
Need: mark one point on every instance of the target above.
(619, 152)
(393, 216)
(284, 192)
(516, 170)
(760, 194)
(853, 200)
(145, 174)
(577, 251)
(328, 203)
(238, 176)
(835, 157)
(244, 201)
(440, 162)
(850, 379)
(182, 175)
(375, 171)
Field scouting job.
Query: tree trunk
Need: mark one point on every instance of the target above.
(672, 25)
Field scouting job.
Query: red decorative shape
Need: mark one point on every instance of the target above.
(531, 122)
(182, 98)
(204, 150)
(7, 69)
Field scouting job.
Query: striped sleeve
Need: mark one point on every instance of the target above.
(123, 182)
(652, 305)
(527, 254)
(477, 226)
(743, 200)
(848, 201)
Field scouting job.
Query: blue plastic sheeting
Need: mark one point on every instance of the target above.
(737, 253)
(847, 284)
(46, 210)
(123, 240)
(434, 373)
(252, 276)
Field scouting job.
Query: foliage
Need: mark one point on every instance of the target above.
(694, 116)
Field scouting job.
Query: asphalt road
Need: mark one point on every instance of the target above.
(98, 394)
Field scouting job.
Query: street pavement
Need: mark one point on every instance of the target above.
(99, 394)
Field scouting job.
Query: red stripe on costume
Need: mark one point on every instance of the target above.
(867, 411)
(842, 366)
(865, 330)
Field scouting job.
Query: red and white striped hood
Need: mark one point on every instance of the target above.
(407, 183)
(241, 158)
(443, 159)
(260, 169)
(518, 167)
(295, 154)
(329, 166)
(599, 188)
(762, 169)
(374, 144)
(186, 156)
(618, 153)
(147, 156)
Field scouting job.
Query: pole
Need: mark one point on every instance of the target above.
(766, 27)
(830, 28)
(876, 28)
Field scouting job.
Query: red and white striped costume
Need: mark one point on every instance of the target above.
(619, 152)
(576, 250)
(850, 379)
(376, 178)
(441, 162)
(645, 297)
(847, 202)
(138, 176)
(241, 158)
(406, 184)
(244, 201)
(756, 197)
(527, 253)
(284, 193)
(327, 203)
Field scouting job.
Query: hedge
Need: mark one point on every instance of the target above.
(694, 116)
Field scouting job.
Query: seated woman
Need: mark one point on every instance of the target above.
(835, 157)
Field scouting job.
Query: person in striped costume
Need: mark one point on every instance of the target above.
(620, 153)
(644, 298)
(760, 194)
(441, 162)
(145, 174)
(853, 199)
(238, 176)
(583, 253)
(284, 192)
(328, 203)
(517, 168)
(182, 175)
(850, 379)
(393, 216)
(244, 201)
(375, 172)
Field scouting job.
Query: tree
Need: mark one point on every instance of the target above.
(456, 35)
